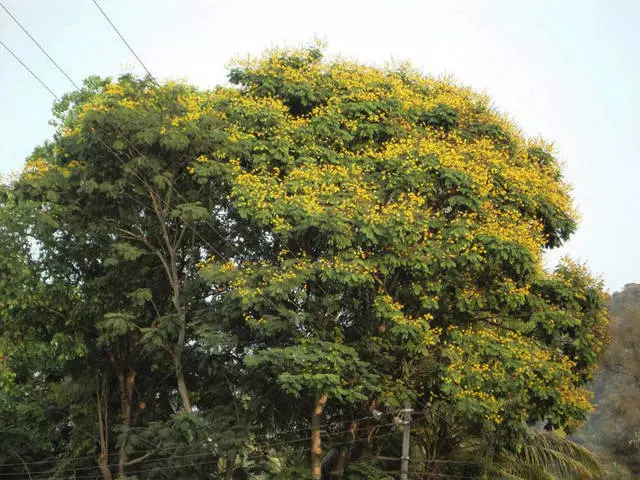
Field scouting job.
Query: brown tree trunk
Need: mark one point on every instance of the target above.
(126, 400)
(169, 263)
(103, 463)
(229, 461)
(103, 456)
(343, 456)
(182, 386)
(316, 441)
(177, 352)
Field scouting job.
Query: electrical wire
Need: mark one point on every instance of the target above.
(134, 472)
(29, 70)
(427, 475)
(262, 436)
(38, 45)
(195, 456)
(95, 2)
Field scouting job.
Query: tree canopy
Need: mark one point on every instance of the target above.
(228, 282)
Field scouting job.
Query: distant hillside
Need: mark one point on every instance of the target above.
(630, 295)
(614, 426)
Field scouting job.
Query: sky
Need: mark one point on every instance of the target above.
(568, 71)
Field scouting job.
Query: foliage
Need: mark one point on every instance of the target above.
(319, 240)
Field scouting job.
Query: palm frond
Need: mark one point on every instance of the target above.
(548, 456)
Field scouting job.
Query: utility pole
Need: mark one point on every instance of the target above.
(406, 433)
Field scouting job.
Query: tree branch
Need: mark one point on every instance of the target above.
(140, 459)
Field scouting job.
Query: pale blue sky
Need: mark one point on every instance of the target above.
(566, 70)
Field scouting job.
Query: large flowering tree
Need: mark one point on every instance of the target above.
(331, 239)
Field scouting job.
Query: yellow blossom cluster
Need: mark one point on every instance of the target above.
(502, 179)
(38, 167)
(496, 367)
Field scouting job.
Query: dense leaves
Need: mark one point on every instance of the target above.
(279, 258)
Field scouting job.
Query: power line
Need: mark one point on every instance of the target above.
(95, 2)
(134, 472)
(29, 70)
(196, 456)
(442, 475)
(297, 429)
(38, 45)
(263, 437)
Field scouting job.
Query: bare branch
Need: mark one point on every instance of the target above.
(139, 459)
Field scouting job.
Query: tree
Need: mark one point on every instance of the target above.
(38, 403)
(407, 220)
(123, 223)
(315, 242)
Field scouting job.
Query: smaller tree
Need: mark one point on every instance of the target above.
(321, 370)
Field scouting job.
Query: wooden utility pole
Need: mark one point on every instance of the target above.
(406, 433)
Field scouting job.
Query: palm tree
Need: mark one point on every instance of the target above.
(548, 456)
(545, 456)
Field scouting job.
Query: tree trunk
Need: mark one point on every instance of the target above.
(177, 352)
(103, 463)
(343, 456)
(168, 258)
(126, 403)
(229, 464)
(103, 419)
(316, 442)
(182, 386)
